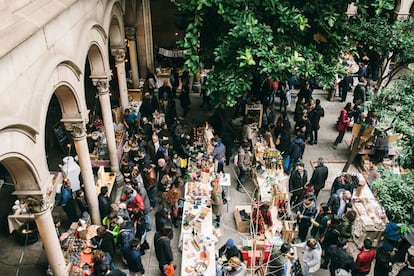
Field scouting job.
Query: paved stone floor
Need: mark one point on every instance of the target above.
(34, 260)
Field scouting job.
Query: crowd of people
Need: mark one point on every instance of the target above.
(154, 165)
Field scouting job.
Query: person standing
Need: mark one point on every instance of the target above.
(306, 213)
(162, 245)
(132, 256)
(297, 149)
(104, 202)
(365, 258)
(383, 265)
(219, 153)
(342, 262)
(342, 124)
(315, 114)
(297, 181)
(185, 98)
(67, 202)
(174, 80)
(311, 256)
(217, 202)
(244, 163)
(319, 176)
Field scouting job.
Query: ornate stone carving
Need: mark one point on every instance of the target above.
(77, 130)
(131, 33)
(101, 83)
(119, 54)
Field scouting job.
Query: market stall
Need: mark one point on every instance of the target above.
(197, 238)
(271, 193)
(371, 218)
(77, 249)
(99, 155)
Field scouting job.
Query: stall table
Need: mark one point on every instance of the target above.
(371, 218)
(197, 239)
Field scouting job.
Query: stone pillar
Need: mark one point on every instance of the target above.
(50, 240)
(144, 38)
(78, 132)
(102, 83)
(130, 33)
(119, 55)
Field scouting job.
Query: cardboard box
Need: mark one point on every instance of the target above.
(242, 226)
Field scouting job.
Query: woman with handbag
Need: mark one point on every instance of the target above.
(163, 251)
(342, 124)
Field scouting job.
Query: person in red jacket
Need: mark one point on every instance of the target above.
(365, 258)
(343, 123)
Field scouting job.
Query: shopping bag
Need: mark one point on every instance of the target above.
(169, 270)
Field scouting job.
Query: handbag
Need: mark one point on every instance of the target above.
(169, 270)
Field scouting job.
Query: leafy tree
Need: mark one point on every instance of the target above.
(395, 106)
(249, 41)
(395, 193)
(383, 37)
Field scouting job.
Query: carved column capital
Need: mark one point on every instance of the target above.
(76, 129)
(131, 32)
(119, 54)
(102, 84)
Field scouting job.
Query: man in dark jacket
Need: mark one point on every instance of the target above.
(297, 180)
(104, 202)
(229, 250)
(315, 115)
(319, 176)
(340, 258)
(296, 151)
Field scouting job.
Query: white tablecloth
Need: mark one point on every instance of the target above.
(197, 197)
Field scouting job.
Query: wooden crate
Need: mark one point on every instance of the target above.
(289, 231)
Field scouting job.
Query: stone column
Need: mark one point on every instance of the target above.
(119, 55)
(78, 132)
(50, 240)
(102, 83)
(144, 38)
(130, 33)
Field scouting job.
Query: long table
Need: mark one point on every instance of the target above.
(197, 240)
(371, 218)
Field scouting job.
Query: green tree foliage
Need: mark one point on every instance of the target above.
(249, 41)
(395, 106)
(385, 36)
(395, 193)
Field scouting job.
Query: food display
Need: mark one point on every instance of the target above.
(197, 239)
(371, 218)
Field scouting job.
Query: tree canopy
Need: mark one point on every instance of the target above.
(249, 41)
(395, 107)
